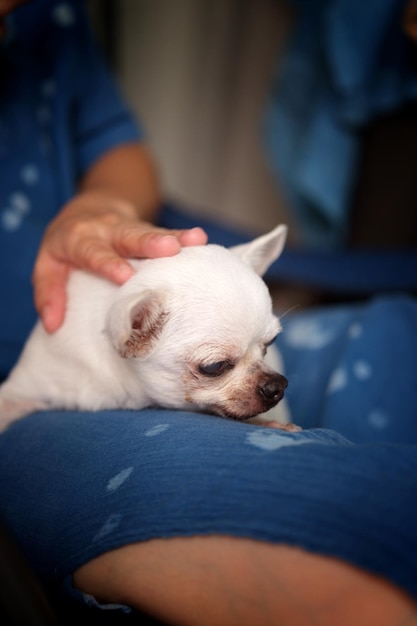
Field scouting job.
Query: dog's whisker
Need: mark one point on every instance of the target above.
(292, 308)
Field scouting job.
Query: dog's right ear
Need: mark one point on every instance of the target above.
(134, 323)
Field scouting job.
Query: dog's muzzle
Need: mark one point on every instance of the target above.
(271, 390)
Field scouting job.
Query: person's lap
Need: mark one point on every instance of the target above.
(76, 485)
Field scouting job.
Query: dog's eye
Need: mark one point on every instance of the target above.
(266, 345)
(215, 369)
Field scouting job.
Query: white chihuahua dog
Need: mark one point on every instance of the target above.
(185, 332)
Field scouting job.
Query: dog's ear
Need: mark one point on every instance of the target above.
(264, 250)
(134, 323)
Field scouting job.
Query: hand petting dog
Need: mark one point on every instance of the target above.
(194, 331)
(98, 233)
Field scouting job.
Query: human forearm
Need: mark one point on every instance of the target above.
(127, 176)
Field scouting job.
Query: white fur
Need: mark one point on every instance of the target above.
(142, 344)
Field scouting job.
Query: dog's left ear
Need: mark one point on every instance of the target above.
(264, 250)
(134, 322)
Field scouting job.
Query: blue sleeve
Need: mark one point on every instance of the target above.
(90, 116)
(102, 118)
(60, 110)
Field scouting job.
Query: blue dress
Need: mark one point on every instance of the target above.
(74, 485)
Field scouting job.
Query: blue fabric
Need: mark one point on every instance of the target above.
(347, 62)
(75, 485)
(353, 369)
(59, 111)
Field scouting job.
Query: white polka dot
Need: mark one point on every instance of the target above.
(63, 15)
(29, 174)
(268, 440)
(338, 380)
(362, 370)
(43, 115)
(156, 430)
(355, 331)
(20, 202)
(118, 480)
(308, 334)
(110, 524)
(11, 220)
(48, 88)
(107, 606)
(378, 419)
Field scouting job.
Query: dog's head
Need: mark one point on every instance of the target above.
(195, 328)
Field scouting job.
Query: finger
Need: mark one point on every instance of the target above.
(193, 237)
(157, 245)
(99, 257)
(53, 314)
(135, 243)
(49, 283)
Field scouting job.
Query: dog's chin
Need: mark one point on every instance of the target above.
(230, 414)
(238, 418)
(233, 412)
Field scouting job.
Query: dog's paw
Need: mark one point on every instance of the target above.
(262, 421)
(290, 428)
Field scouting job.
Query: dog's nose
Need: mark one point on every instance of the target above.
(272, 390)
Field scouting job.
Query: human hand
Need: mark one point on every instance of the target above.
(97, 234)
